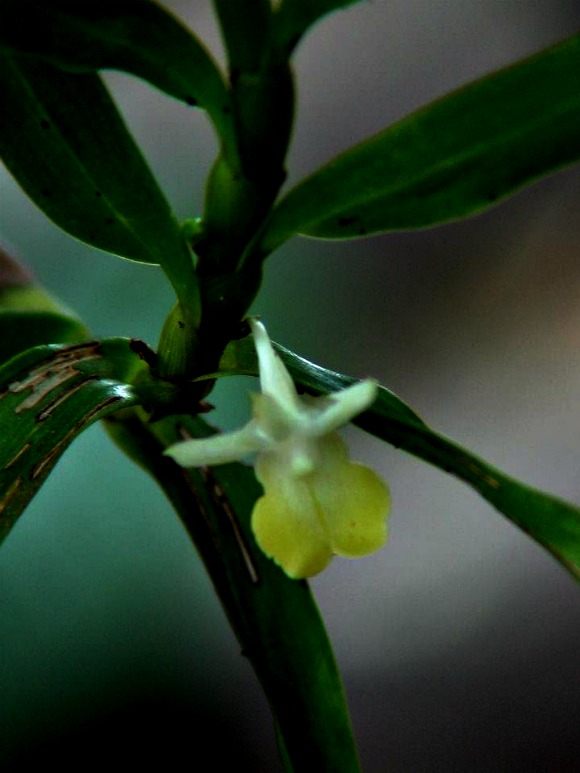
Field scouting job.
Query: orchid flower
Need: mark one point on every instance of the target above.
(316, 503)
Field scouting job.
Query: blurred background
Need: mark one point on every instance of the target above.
(459, 642)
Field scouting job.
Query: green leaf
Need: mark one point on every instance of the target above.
(137, 36)
(65, 143)
(294, 17)
(550, 521)
(275, 618)
(454, 158)
(48, 396)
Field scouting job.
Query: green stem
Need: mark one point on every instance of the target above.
(247, 32)
(239, 196)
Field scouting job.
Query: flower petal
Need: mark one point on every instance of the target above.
(218, 449)
(270, 417)
(354, 500)
(286, 522)
(274, 378)
(338, 408)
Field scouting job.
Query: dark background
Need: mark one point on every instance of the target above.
(459, 641)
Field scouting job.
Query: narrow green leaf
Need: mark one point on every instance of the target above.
(451, 159)
(550, 521)
(48, 396)
(275, 618)
(137, 36)
(65, 143)
(294, 17)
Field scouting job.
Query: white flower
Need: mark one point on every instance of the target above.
(316, 502)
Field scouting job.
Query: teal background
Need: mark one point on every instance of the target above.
(459, 640)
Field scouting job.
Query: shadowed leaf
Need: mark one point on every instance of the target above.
(137, 36)
(449, 160)
(67, 146)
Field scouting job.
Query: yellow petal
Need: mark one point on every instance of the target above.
(353, 499)
(286, 521)
(291, 537)
(303, 520)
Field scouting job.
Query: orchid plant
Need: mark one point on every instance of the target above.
(271, 503)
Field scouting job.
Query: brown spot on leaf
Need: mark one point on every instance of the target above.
(12, 490)
(46, 464)
(53, 404)
(18, 455)
(143, 351)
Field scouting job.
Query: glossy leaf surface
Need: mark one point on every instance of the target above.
(552, 522)
(275, 618)
(137, 36)
(454, 158)
(48, 396)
